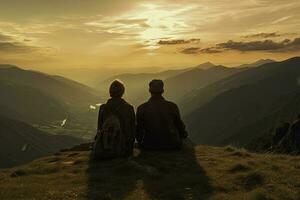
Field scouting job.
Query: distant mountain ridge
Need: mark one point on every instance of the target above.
(30, 92)
(60, 88)
(177, 82)
(206, 65)
(244, 106)
(257, 63)
(7, 66)
(190, 81)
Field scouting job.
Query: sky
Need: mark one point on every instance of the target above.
(56, 34)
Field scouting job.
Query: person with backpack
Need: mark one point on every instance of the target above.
(116, 126)
(159, 124)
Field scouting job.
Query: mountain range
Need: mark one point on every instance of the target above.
(67, 91)
(257, 63)
(220, 105)
(33, 105)
(178, 86)
(245, 106)
(45, 101)
(177, 82)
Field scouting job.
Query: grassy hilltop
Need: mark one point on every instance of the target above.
(196, 173)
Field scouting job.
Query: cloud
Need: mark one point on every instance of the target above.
(265, 45)
(191, 50)
(140, 22)
(32, 9)
(4, 37)
(282, 19)
(197, 50)
(262, 35)
(10, 45)
(175, 42)
(286, 45)
(14, 47)
(210, 50)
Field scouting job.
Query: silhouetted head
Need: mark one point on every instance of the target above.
(156, 87)
(116, 89)
(298, 116)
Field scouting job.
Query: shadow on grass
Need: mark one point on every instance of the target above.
(151, 175)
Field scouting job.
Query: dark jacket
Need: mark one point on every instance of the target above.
(159, 125)
(125, 113)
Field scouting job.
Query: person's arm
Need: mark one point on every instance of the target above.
(179, 123)
(139, 126)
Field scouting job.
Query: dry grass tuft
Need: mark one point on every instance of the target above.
(239, 168)
(52, 160)
(258, 195)
(251, 180)
(230, 149)
(241, 154)
(18, 173)
(73, 154)
(204, 173)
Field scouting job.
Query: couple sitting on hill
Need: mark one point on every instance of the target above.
(156, 126)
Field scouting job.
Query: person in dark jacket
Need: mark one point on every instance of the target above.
(123, 110)
(159, 124)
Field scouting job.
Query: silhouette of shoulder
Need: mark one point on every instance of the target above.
(142, 106)
(164, 101)
(172, 104)
(125, 106)
(128, 105)
(102, 106)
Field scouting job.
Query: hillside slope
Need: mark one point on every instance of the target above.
(63, 90)
(29, 104)
(245, 100)
(20, 142)
(195, 79)
(247, 76)
(178, 83)
(45, 101)
(287, 111)
(195, 173)
(257, 63)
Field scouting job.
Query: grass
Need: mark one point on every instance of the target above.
(200, 173)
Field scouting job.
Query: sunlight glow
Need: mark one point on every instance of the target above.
(163, 23)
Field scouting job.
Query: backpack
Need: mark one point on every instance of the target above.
(110, 142)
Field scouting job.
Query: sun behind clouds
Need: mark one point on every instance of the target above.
(160, 33)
